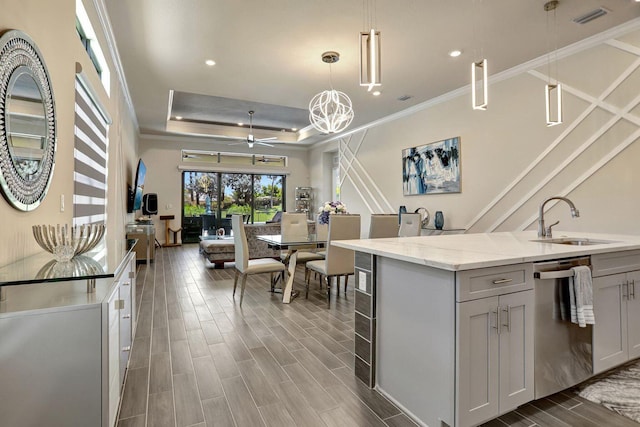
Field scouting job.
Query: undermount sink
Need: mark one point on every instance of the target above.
(576, 241)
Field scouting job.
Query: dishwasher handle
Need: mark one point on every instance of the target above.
(559, 274)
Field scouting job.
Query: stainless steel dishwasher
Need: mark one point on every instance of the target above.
(563, 350)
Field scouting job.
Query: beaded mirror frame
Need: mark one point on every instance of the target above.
(25, 179)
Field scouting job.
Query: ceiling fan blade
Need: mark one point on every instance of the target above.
(264, 143)
(271, 138)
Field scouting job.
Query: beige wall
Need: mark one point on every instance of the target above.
(162, 157)
(51, 24)
(592, 157)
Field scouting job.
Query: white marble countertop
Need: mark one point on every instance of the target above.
(468, 251)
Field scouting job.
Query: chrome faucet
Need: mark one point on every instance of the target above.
(546, 232)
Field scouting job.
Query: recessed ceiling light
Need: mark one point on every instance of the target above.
(455, 53)
(240, 124)
(210, 62)
(376, 93)
(178, 117)
(295, 129)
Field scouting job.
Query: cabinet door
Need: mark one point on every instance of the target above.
(477, 378)
(125, 323)
(516, 349)
(610, 329)
(633, 314)
(113, 315)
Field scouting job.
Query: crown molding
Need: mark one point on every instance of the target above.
(181, 138)
(107, 30)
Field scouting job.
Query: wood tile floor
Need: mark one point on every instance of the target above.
(200, 360)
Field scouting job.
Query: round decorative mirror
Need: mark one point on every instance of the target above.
(28, 131)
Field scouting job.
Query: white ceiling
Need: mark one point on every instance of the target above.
(269, 52)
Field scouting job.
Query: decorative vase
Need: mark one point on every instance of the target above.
(403, 209)
(438, 221)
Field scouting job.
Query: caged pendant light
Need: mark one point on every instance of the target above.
(330, 111)
(553, 90)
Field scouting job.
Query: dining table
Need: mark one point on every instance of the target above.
(292, 244)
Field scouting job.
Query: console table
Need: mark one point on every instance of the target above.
(65, 350)
(145, 234)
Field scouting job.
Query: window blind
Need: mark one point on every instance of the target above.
(90, 160)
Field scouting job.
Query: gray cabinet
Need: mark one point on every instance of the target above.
(616, 308)
(494, 351)
(616, 333)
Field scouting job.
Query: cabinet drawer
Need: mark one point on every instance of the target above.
(615, 262)
(486, 282)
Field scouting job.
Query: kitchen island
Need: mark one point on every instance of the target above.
(445, 324)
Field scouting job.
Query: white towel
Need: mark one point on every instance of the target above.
(581, 294)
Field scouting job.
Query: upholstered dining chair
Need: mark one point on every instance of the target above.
(322, 232)
(383, 225)
(293, 226)
(338, 261)
(245, 266)
(410, 224)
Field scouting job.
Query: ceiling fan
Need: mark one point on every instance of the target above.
(251, 140)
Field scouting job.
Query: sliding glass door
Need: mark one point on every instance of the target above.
(210, 198)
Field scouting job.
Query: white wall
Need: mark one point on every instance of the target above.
(51, 25)
(592, 157)
(162, 156)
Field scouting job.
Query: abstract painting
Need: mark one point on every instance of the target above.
(432, 168)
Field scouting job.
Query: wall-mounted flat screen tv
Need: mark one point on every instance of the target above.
(141, 172)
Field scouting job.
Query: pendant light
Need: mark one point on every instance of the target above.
(330, 111)
(479, 102)
(553, 88)
(479, 77)
(370, 68)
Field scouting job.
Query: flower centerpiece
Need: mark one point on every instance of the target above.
(331, 208)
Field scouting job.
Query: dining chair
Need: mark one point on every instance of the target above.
(383, 225)
(246, 266)
(322, 232)
(339, 261)
(410, 224)
(293, 226)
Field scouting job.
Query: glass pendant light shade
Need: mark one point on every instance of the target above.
(330, 111)
(370, 68)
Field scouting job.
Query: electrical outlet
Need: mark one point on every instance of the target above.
(169, 206)
(62, 203)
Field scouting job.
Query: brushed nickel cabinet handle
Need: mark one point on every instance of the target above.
(507, 310)
(632, 292)
(497, 326)
(127, 348)
(625, 290)
(501, 281)
(126, 316)
(126, 284)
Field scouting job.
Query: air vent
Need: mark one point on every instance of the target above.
(590, 16)
(405, 97)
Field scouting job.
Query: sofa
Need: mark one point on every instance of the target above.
(220, 251)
